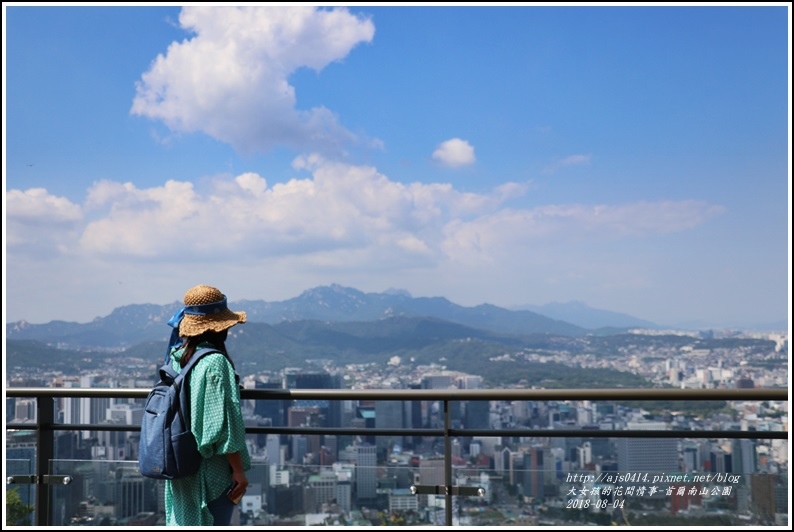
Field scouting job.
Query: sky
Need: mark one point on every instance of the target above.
(634, 158)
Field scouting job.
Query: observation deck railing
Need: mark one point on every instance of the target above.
(46, 426)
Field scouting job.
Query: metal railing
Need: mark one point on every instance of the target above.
(45, 425)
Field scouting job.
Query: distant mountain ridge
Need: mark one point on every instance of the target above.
(133, 324)
(580, 314)
(501, 359)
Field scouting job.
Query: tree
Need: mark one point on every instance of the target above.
(16, 513)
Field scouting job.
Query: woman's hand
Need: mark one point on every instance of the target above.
(238, 477)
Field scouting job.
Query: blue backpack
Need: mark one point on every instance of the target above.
(168, 449)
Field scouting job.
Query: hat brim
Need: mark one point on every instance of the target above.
(194, 325)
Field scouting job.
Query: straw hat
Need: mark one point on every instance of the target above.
(216, 317)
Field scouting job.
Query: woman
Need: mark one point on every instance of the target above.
(216, 418)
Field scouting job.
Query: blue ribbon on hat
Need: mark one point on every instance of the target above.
(195, 310)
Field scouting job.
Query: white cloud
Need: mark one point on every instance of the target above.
(340, 208)
(38, 223)
(39, 205)
(343, 223)
(575, 159)
(503, 234)
(571, 160)
(231, 79)
(454, 153)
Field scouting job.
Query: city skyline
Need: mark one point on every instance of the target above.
(634, 158)
(571, 461)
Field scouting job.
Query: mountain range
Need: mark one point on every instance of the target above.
(129, 325)
(342, 326)
(580, 314)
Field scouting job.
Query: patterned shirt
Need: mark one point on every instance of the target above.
(217, 422)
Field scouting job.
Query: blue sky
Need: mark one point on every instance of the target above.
(633, 158)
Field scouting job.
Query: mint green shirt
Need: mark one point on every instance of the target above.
(217, 422)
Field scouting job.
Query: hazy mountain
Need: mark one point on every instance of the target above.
(582, 315)
(338, 303)
(498, 357)
(133, 324)
(29, 354)
(702, 325)
(124, 327)
(261, 347)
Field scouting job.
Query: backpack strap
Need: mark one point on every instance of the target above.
(169, 375)
(181, 380)
(195, 358)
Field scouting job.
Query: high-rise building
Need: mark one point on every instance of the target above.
(745, 382)
(389, 415)
(10, 408)
(475, 447)
(781, 493)
(273, 450)
(514, 468)
(403, 500)
(332, 410)
(415, 418)
(129, 493)
(720, 460)
(320, 490)
(300, 447)
(585, 455)
(117, 445)
(304, 416)
(285, 499)
(762, 492)
(489, 444)
(692, 457)
(344, 495)
(570, 444)
(331, 444)
(534, 473)
(745, 459)
(502, 459)
(477, 415)
(275, 409)
(469, 382)
(600, 447)
(24, 409)
(439, 381)
(642, 455)
(434, 409)
(366, 471)
(431, 471)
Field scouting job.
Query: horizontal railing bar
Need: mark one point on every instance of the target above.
(75, 426)
(45, 426)
(647, 394)
(248, 429)
(586, 433)
(537, 433)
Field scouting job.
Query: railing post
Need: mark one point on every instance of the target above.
(45, 452)
(447, 463)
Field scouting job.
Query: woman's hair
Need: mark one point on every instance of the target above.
(217, 339)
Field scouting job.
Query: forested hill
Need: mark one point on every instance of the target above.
(501, 359)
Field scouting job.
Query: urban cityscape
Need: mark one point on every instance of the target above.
(313, 479)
